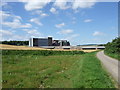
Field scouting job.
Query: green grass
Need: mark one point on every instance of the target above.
(54, 71)
(113, 55)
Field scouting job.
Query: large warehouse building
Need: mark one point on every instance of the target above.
(47, 42)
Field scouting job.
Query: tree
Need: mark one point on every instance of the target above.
(16, 42)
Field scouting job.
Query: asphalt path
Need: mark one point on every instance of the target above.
(111, 65)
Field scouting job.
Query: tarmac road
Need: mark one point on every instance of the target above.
(111, 65)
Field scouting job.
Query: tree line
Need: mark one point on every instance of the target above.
(18, 43)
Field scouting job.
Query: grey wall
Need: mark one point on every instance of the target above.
(35, 41)
(42, 42)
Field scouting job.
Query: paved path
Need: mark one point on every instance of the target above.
(112, 65)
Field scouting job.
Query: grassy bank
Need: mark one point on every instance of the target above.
(113, 55)
(53, 71)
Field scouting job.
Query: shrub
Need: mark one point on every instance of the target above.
(113, 47)
(39, 52)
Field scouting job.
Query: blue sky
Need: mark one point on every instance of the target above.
(79, 23)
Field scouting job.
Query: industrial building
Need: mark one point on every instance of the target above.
(49, 43)
(38, 42)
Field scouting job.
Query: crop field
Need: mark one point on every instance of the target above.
(13, 47)
(22, 69)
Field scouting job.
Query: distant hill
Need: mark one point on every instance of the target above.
(92, 45)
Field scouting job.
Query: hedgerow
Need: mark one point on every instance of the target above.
(40, 52)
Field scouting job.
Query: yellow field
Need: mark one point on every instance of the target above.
(12, 47)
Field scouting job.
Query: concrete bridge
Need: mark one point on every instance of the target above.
(75, 47)
(92, 47)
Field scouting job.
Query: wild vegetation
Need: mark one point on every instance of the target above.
(40, 52)
(35, 69)
(113, 48)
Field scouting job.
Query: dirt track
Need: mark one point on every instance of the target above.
(111, 65)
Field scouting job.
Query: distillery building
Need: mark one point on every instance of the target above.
(36, 42)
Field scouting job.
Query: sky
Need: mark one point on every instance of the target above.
(78, 22)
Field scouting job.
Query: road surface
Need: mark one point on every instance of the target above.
(111, 65)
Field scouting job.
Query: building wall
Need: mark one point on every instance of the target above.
(47, 42)
(35, 41)
(42, 42)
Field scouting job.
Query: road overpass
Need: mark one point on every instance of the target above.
(74, 47)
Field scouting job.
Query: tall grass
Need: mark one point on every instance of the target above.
(53, 71)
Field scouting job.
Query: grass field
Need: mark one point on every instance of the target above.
(54, 71)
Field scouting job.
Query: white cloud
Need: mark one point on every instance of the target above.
(32, 32)
(44, 14)
(5, 32)
(83, 4)
(9, 35)
(34, 4)
(16, 24)
(4, 15)
(18, 17)
(27, 25)
(60, 25)
(67, 31)
(53, 10)
(16, 20)
(88, 20)
(62, 4)
(36, 21)
(97, 33)
(40, 12)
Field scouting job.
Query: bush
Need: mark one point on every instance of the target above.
(113, 47)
